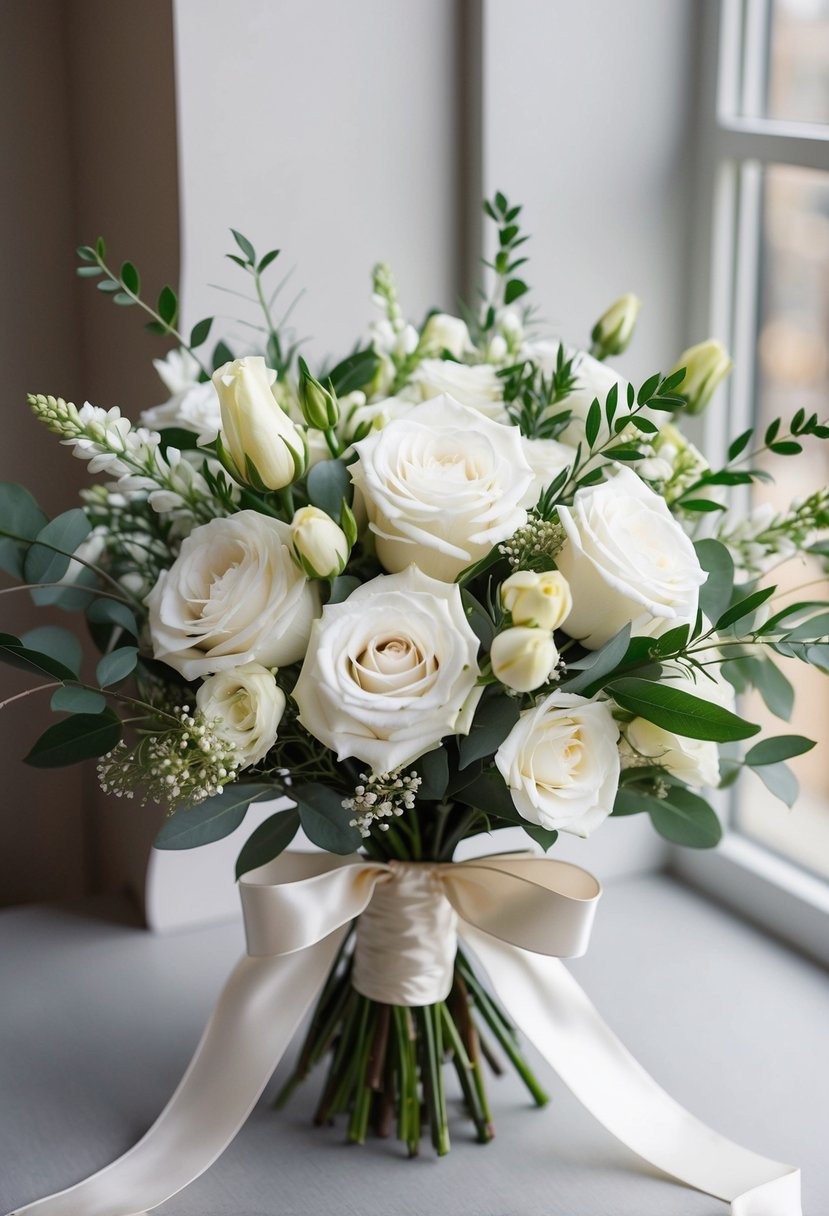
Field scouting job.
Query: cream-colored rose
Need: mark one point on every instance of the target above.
(443, 332)
(542, 600)
(479, 387)
(390, 671)
(561, 763)
(441, 487)
(234, 595)
(546, 458)
(694, 761)
(523, 658)
(627, 560)
(706, 366)
(264, 444)
(249, 705)
(320, 544)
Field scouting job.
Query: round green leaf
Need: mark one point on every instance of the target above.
(73, 700)
(269, 840)
(685, 818)
(212, 819)
(324, 819)
(48, 559)
(116, 666)
(56, 642)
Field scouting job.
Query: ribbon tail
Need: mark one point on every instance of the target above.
(559, 1019)
(256, 1016)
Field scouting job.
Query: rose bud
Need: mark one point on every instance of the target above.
(320, 546)
(258, 443)
(706, 365)
(523, 658)
(543, 600)
(614, 329)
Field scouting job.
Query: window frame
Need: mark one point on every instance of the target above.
(733, 149)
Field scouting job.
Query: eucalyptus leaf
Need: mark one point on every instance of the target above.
(105, 611)
(73, 700)
(74, 739)
(679, 711)
(433, 770)
(542, 836)
(20, 515)
(212, 819)
(13, 652)
(48, 559)
(685, 818)
(269, 840)
(324, 819)
(494, 719)
(715, 594)
(780, 781)
(779, 747)
(489, 793)
(116, 666)
(329, 485)
(60, 644)
(598, 664)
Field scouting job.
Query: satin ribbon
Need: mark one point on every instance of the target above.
(516, 912)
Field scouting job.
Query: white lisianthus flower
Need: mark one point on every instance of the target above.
(444, 332)
(255, 428)
(441, 487)
(234, 595)
(694, 761)
(627, 560)
(542, 600)
(390, 671)
(478, 387)
(561, 763)
(523, 657)
(249, 705)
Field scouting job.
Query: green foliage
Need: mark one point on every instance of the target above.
(595, 666)
(77, 738)
(329, 485)
(506, 262)
(324, 819)
(679, 711)
(433, 770)
(776, 748)
(269, 840)
(531, 396)
(715, 594)
(21, 519)
(48, 559)
(355, 372)
(58, 643)
(73, 700)
(116, 666)
(212, 819)
(14, 652)
(494, 719)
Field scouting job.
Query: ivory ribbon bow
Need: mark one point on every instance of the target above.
(516, 912)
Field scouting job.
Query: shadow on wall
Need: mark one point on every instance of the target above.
(87, 120)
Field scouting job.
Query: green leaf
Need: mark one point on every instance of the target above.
(702, 505)
(86, 253)
(245, 246)
(74, 739)
(13, 652)
(131, 278)
(679, 711)
(433, 770)
(772, 685)
(109, 286)
(269, 840)
(212, 819)
(715, 594)
(630, 801)
(266, 259)
(20, 515)
(685, 818)
(494, 719)
(739, 444)
(779, 747)
(104, 611)
(167, 306)
(514, 290)
(200, 332)
(780, 781)
(221, 354)
(489, 793)
(593, 423)
(324, 819)
(74, 596)
(353, 373)
(114, 667)
(542, 836)
(73, 700)
(123, 299)
(329, 486)
(478, 617)
(58, 643)
(593, 669)
(744, 607)
(48, 559)
(673, 641)
(88, 272)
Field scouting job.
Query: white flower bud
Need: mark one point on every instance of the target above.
(443, 332)
(706, 365)
(542, 600)
(320, 545)
(614, 329)
(249, 705)
(523, 658)
(265, 447)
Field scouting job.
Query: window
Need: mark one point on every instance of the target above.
(767, 146)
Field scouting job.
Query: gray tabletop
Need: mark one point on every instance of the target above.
(98, 1019)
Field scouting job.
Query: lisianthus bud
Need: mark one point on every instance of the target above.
(523, 658)
(706, 365)
(614, 329)
(320, 546)
(319, 405)
(258, 443)
(542, 600)
(443, 332)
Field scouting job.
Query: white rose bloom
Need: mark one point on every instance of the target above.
(234, 595)
(627, 560)
(541, 600)
(523, 657)
(444, 332)
(478, 387)
(546, 458)
(694, 761)
(250, 704)
(561, 763)
(390, 671)
(441, 487)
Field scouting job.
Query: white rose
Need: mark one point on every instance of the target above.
(523, 657)
(542, 600)
(441, 487)
(561, 763)
(250, 704)
(479, 387)
(546, 458)
(255, 429)
(390, 671)
(627, 560)
(443, 332)
(694, 761)
(234, 595)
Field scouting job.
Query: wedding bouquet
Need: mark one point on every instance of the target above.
(467, 578)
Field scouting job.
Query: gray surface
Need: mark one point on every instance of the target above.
(99, 1019)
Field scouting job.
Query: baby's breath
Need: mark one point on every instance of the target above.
(379, 797)
(534, 546)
